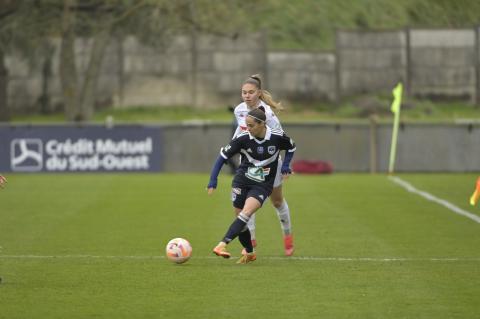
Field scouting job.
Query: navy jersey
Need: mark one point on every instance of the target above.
(259, 157)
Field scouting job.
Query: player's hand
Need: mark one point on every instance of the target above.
(3, 181)
(286, 172)
(212, 183)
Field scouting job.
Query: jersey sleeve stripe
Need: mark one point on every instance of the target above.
(259, 163)
(223, 155)
(277, 132)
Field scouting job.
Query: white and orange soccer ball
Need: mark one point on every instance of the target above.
(178, 250)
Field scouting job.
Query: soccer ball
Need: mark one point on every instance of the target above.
(178, 250)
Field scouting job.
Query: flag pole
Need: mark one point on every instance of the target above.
(395, 108)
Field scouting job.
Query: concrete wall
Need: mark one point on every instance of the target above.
(349, 147)
(207, 71)
(433, 63)
(370, 61)
(302, 75)
(185, 149)
(204, 72)
(199, 72)
(443, 63)
(432, 148)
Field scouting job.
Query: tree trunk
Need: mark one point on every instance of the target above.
(46, 75)
(68, 71)
(88, 93)
(4, 110)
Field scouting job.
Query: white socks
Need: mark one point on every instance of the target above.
(251, 226)
(283, 213)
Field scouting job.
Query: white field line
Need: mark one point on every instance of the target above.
(430, 197)
(298, 258)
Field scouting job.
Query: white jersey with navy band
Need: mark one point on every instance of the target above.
(241, 111)
(259, 157)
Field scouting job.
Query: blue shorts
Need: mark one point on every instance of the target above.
(241, 193)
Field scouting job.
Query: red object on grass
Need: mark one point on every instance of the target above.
(312, 167)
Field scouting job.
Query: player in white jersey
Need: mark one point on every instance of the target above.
(253, 97)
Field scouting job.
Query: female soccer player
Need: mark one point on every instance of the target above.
(260, 147)
(255, 97)
(3, 181)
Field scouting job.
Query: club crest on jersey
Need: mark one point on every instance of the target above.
(271, 150)
(260, 150)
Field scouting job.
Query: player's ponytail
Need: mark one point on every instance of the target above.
(265, 96)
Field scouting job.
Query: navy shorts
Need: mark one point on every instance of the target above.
(241, 193)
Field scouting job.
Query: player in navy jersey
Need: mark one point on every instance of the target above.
(252, 184)
(254, 96)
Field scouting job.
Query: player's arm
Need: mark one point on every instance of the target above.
(225, 153)
(217, 167)
(3, 181)
(240, 123)
(272, 120)
(237, 131)
(289, 146)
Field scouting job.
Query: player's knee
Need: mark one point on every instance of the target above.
(277, 201)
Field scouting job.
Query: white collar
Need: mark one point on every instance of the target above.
(268, 134)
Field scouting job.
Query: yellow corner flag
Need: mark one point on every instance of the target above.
(476, 193)
(397, 98)
(397, 101)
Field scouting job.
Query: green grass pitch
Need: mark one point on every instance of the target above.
(92, 246)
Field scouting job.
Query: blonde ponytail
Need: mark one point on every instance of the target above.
(265, 96)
